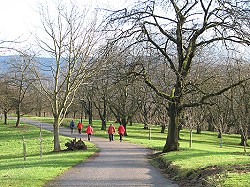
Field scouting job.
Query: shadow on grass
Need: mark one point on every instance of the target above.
(50, 159)
(186, 154)
(145, 138)
(12, 133)
(214, 143)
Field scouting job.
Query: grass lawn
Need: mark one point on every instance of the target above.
(204, 155)
(35, 170)
(223, 166)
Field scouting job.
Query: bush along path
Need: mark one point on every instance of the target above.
(117, 164)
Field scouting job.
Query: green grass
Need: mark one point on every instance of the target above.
(35, 170)
(205, 151)
(237, 179)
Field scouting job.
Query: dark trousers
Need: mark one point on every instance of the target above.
(120, 137)
(111, 137)
(89, 136)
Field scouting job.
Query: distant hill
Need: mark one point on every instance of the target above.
(5, 59)
(3, 64)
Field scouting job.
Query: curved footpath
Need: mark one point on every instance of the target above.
(117, 164)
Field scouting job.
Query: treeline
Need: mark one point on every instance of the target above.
(115, 92)
(171, 63)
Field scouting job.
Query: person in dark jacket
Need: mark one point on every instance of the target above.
(72, 126)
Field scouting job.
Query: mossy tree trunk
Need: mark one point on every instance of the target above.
(172, 142)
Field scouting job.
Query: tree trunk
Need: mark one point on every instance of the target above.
(5, 116)
(219, 133)
(56, 124)
(104, 124)
(40, 113)
(18, 116)
(90, 118)
(210, 124)
(86, 114)
(163, 128)
(90, 113)
(18, 121)
(104, 116)
(220, 136)
(74, 114)
(190, 137)
(243, 138)
(145, 118)
(145, 126)
(124, 123)
(172, 143)
(248, 131)
(130, 121)
(245, 147)
(198, 131)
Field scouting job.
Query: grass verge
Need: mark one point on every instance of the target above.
(35, 170)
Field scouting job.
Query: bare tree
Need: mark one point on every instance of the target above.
(242, 120)
(69, 38)
(239, 107)
(87, 99)
(19, 80)
(6, 97)
(178, 30)
(147, 108)
(102, 90)
(124, 104)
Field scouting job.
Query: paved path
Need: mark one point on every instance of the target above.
(117, 164)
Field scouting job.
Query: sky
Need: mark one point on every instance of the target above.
(14, 16)
(19, 18)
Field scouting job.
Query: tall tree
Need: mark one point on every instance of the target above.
(69, 38)
(178, 29)
(20, 81)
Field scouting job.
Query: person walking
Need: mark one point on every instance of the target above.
(72, 126)
(121, 131)
(111, 131)
(79, 127)
(89, 131)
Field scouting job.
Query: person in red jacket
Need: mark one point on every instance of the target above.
(121, 131)
(89, 131)
(79, 127)
(111, 131)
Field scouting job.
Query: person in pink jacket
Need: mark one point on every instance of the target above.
(121, 131)
(89, 131)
